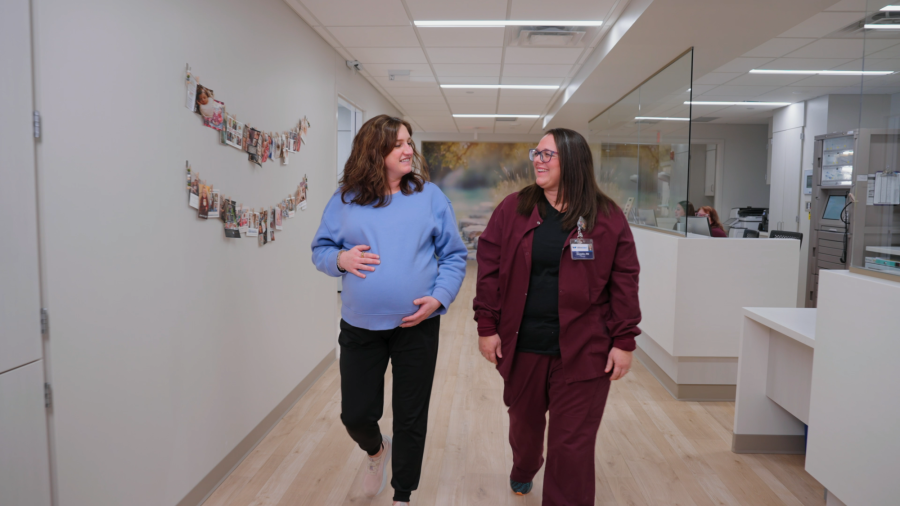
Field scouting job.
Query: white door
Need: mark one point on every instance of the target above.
(24, 453)
(784, 193)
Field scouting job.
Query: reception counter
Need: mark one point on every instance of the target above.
(692, 291)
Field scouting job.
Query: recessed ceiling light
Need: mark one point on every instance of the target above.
(654, 118)
(502, 22)
(696, 102)
(879, 26)
(496, 115)
(826, 72)
(502, 86)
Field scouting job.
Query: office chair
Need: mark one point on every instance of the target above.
(751, 234)
(783, 234)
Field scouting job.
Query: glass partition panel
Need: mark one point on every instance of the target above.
(642, 149)
(875, 218)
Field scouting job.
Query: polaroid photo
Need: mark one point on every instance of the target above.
(301, 194)
(264, 227)
(245, 139)
(224, 205)
(304, 125)
(279, 219)
(292, 209)
(271, 236)
(232, 229)
(191, 96)
(284, 209)
(210, 109)
(271, 147)
(203, 207)
(214, 203)
(253, 229)
(253, 146)
(294, 141)
(194, 190)
(217, 120)
(244, 221)
(234, 132)
(264, 141)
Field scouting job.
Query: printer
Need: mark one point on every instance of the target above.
(744, 218)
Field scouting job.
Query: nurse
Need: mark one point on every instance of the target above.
(396, 235)
(557, 311)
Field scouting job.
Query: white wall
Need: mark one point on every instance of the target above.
(170, 342)
(844, 112)
(744, 178)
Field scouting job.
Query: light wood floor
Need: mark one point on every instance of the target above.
(651, 449)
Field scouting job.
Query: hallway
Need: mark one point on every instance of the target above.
(651, 449)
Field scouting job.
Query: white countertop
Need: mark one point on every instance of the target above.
(796, 323)
(885, 250)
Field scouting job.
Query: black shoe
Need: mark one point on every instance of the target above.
(520, 488)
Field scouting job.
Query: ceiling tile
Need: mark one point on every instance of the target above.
(304, 13)
(744, 64)
(462, 92)
(465, 55)
(717, 78)
(462, 37)
(538, 55)
(891, 52)
(777, 47)
(381, 69)
(469, 80)
(414, 82)
(473, 108)
(467, 70)
(356, 13)
(805, 63)
(471, 100)
(699, 89)
(520, 70)
(406, 99)
(423, 10)
(764, 80)
(823, 24)
(505, 108)
(589, 10)
(368, 55)
(470, 123)
(416, 108)
(739, 91)
(830, 81)
(542, 81)
(526, 94)
(375, 36)
(832, 48)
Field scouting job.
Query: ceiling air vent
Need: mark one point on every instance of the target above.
(857, 29)
(547, 36)
(703, 119)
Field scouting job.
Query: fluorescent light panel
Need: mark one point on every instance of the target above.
(654, 118)
(502, 22)
(699, 102)
(891, 8)
(496, 115)
(881, 27)
(826, 72)
(502, 86)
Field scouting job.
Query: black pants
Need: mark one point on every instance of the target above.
(364, 359)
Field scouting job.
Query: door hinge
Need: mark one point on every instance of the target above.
(802, 136)
(48, 395)
(37, 124)
(45, 321)
(797, 218)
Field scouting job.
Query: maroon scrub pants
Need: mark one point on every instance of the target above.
(536, 384)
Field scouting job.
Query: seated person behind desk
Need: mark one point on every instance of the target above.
(715, 226)
(683, 209)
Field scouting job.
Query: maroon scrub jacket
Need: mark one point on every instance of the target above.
(598, 299)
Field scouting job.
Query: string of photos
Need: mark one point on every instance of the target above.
(259, 145)
(241, 221)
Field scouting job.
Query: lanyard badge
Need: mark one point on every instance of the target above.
(582, 249)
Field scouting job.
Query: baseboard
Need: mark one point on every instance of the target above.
(764, 443)
(686, 392)
(223, 469)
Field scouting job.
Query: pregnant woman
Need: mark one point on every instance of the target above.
(396, 235)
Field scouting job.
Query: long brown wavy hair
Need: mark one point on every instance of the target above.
(714, 215)
(365, 174)
(579, 193)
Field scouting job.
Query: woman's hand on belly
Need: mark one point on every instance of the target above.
(427, 305)
(356, 259)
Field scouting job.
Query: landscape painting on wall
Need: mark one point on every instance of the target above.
(476, 177)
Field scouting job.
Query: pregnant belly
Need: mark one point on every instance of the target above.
(390, 289)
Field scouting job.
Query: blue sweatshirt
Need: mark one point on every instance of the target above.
(421, 253)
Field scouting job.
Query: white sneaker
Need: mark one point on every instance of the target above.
(375, 477)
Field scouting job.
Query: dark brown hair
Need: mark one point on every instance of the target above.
(579, 193)
(714, 215)
(365, 175)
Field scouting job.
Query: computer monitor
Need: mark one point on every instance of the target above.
(698, 225)
(831, 216)
(647, 216)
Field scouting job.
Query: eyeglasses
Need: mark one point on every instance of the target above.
(545, 155)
